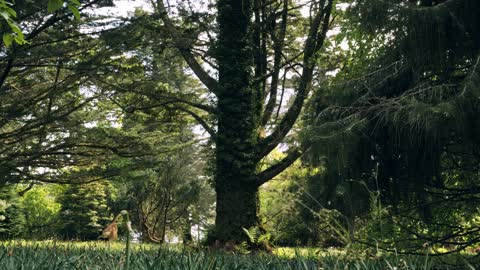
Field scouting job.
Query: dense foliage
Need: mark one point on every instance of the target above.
(403, 165)
(244, 124)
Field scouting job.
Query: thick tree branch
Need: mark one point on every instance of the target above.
(316, 37)
(276, 169)
(184, 48)
(204, 56)
(200, 120)
(278, 49)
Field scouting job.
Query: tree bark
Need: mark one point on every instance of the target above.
(238, 124)
(236, 210)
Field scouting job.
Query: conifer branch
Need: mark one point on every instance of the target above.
(184, 48)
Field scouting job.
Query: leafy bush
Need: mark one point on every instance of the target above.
(12, 218)
(41, 211)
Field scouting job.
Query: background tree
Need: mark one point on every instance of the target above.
(50, 118)
(58, 120)
(162, 199)
(407, 104)
(84, 211)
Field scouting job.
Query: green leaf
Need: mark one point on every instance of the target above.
(251, 237)
(15, 28)
(73, 8)
(19, 39)
(54, 5)
(4, 14)
(76, 2)
(8, 39)
(12, 12)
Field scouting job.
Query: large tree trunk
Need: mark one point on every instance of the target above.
(238, 124)
(236, 209)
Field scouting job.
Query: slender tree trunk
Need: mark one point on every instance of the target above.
(164, 220)
(187, 237)
(238, 124)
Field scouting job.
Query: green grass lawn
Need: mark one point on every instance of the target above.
(96, 255)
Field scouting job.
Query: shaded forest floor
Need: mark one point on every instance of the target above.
(95, 255)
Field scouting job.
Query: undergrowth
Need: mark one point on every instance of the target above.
(95, 255)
